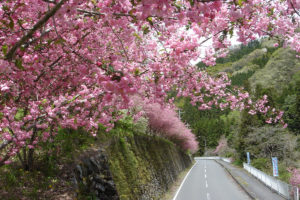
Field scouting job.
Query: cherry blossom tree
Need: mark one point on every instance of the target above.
(75, 63)
(164, 122)
(221, 145)
(295, 176)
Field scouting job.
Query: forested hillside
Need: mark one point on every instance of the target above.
(261, 68)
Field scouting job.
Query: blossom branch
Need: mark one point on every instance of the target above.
(9, 56)
(291, 2)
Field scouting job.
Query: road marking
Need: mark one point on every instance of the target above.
(205, 175)
(205, 170)
(206, 184)
(208, 196)
(184, 181)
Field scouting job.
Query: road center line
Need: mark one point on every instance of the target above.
(206, 184)
(205, 175)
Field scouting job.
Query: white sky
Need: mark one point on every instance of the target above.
(234, 42)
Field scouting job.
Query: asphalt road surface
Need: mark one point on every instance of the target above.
(207, 180)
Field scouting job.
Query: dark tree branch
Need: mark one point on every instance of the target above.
(91, 13)
(50, 1)
(9, 56)
(294, 8)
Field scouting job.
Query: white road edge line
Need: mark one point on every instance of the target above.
(208, 196)
(183, 181)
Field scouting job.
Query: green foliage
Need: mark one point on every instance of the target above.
(269, 141)
(262, 164)
(251, 62)
(238, 53)
(292, 109)
(265, 165)
(207, 125)
(238, 162)
(244, 128)
(262, 70)
(240, 78)
(66, 143)
(278, 71)
(15, 183)
(262, 61)
(11, 179)
(220, 68)
(284, 174)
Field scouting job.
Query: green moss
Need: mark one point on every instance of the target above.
(134, 160)
(126, 168)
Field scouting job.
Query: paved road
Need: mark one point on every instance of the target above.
(256, 188)
(207, 180)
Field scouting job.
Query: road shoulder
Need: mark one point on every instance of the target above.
(169, 195)
(253, 187)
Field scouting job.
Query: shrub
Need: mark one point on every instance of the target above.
(165, 122)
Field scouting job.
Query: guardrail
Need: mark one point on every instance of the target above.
(214, 158)
(288, 191)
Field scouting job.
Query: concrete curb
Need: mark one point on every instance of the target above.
(240, 184)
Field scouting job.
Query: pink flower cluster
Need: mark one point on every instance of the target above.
(295, 178)
(221, 145)
(165, 122)
(76, 63)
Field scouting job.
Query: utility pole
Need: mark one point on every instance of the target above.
(179, 114)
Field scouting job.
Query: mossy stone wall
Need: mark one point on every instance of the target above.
(137, 167)
(144, 167)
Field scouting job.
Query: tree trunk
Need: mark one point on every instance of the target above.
(27, 160)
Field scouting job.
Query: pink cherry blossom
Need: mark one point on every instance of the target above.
(77, 63)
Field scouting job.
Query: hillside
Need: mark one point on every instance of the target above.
(265, 65)
(278, 71)
(260, 68)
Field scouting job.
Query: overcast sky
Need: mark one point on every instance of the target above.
(208, 44)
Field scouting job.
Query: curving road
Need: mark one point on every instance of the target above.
(207, 180)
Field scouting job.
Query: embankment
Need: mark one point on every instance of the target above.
(129, 168)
